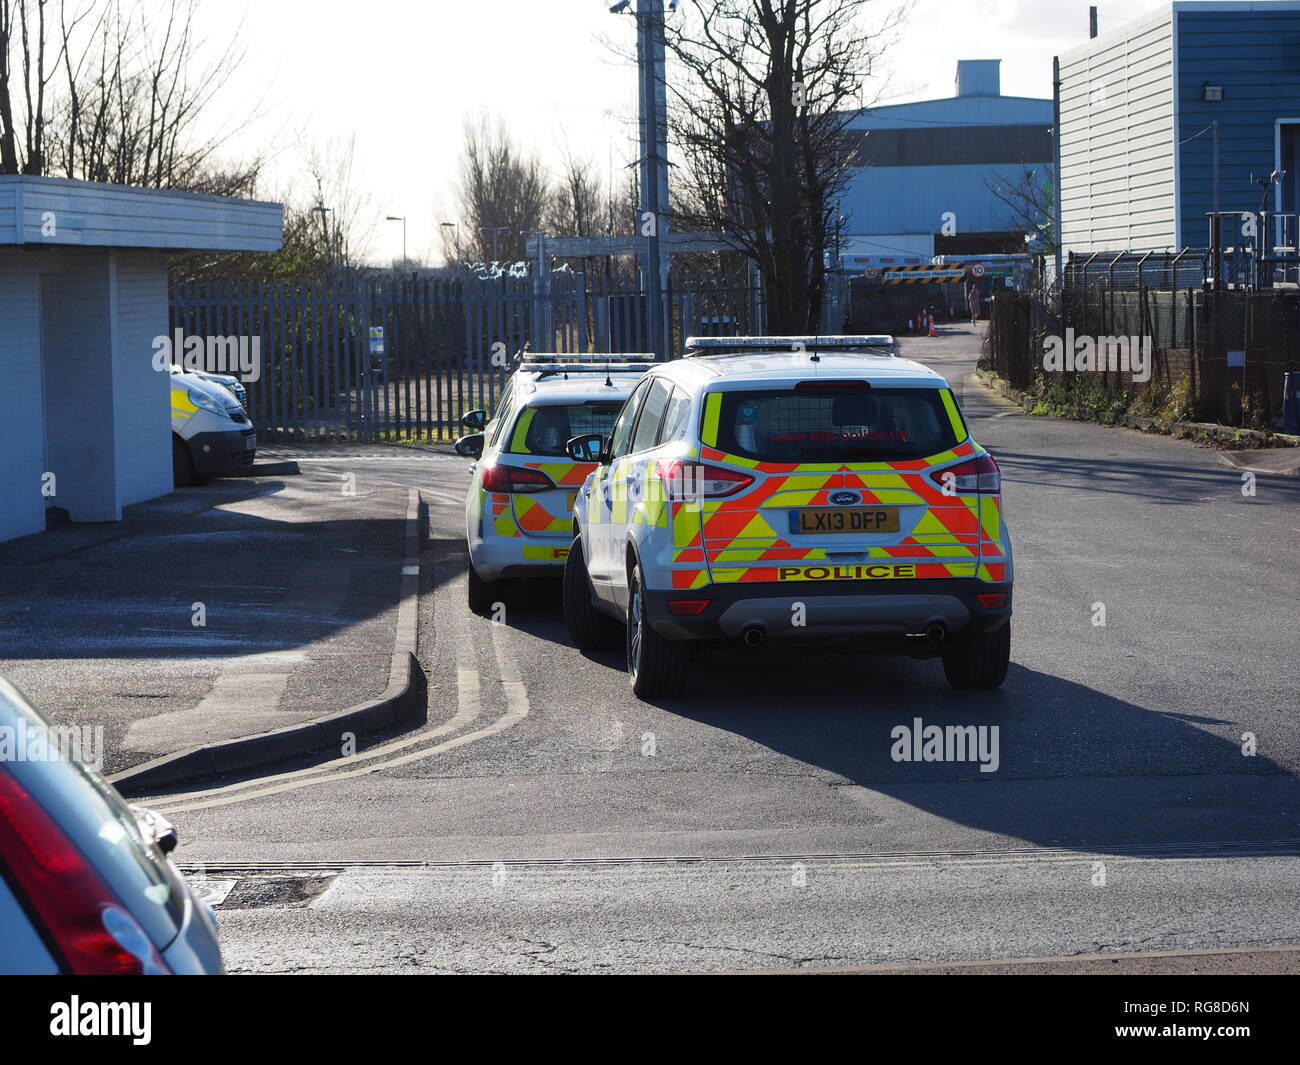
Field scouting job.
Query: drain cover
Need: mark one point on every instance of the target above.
(257, 891)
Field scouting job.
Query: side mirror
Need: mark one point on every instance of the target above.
(470, 447)
(587, 448)
(474, 419)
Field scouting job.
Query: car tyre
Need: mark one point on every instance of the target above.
(656, 664)
(589, 629)
(978, 660)
(481, 594)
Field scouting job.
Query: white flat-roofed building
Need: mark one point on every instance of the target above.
(83, 294)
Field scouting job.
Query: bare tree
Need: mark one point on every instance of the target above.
(329, 227)
(575, 204)
(23, 40)
(1030, 196)
(107, 90)
(501, 186)
(758, 116)
(344, 219)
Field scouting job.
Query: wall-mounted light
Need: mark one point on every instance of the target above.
(1213, 94)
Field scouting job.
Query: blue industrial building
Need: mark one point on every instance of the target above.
(1193, 109)
(928, 170)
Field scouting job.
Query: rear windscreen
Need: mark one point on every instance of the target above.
(545, 430)
(834, 425)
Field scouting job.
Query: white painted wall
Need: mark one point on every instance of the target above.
(80, 397)
(22, 434)
(80, 437)
(142, 400)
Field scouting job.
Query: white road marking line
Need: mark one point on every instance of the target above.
(468, 696)
(468, 707)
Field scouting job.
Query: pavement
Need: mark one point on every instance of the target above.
(539, 818)
(1278, 461)
(215, 613)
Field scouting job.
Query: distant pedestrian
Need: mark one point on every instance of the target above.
(974, 304)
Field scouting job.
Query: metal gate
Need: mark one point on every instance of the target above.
(447, 343)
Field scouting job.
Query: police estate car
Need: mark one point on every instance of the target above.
(783, 488)
(524, 483)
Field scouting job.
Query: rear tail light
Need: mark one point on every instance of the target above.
(992, 600)
(96, 935)
(980, 475)
(687, 607)
(691, 480)
(501, 478)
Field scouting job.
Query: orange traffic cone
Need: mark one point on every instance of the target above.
(932, 329)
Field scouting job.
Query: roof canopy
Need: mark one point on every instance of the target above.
(61, 212)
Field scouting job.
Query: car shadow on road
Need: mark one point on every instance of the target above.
(1074, 765)
(1158, 482)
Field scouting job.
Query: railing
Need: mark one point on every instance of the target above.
(447, 343)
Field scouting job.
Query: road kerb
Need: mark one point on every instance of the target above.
(395, 705)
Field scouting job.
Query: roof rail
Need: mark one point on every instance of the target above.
(696, 346)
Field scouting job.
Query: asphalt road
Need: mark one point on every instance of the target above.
(1126, 815)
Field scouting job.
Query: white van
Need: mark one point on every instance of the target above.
(211, 433)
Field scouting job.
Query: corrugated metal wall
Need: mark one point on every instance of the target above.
(1117, 132)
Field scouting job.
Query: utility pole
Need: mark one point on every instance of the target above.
(1056, 168)
(653, 163)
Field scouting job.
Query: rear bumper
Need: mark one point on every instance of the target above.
(864, 609)
(503, 558)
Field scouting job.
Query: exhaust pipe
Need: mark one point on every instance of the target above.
(754, 636)
(935, 632)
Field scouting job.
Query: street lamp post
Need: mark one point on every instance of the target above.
(322, 210)
(455, 239)
(494, 230)
(400, 218)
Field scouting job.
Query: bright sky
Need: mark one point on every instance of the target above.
(402, 76)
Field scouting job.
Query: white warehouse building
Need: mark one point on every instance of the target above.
(85, 418)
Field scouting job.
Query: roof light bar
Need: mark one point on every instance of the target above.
(546, 363)
(730, 345)
(585, 367)
(529, 357)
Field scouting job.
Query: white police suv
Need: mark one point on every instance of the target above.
(790, 488)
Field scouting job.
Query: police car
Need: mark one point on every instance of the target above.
(211, 432)
(780, 488)
(524, 482)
